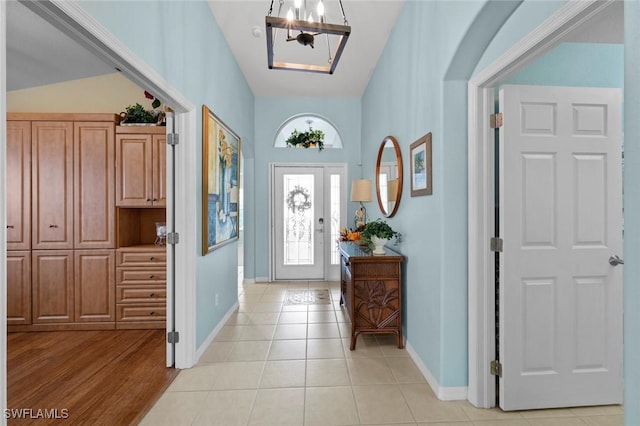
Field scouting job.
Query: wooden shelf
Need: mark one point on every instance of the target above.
(137, 226)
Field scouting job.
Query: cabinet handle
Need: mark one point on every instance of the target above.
(152, 313)
(155, 199)
(152, 258)
(9, 226)
(152, 295)
(53, 226)
(148, 199)
(151, 277)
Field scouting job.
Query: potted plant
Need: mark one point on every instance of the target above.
(136, 114)
(306, 139)
(378, 232)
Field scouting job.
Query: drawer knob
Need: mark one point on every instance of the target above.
(151, 277)
(152, 295)
(152, 313)
(53, 226)
(152, 258)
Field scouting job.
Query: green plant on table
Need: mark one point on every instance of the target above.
(378, 228)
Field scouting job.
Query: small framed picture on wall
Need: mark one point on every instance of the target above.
(420, 159)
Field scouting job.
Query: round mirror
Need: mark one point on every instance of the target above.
(389, 176)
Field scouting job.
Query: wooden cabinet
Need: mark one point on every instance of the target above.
(52, 184)
(141, 287)
(94, 185)
(371, 290)
(94, 285)
(61, 205)
(52, 286)
(140, 166)
(19, 287)
(19, 185)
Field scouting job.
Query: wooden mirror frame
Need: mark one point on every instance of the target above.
(396, 147)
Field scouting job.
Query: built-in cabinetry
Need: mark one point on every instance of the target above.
(64, 241)
(371, 290)
(141, 177)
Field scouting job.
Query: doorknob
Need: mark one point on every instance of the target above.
(615, 260)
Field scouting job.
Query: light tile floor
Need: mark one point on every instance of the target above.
(276, 364)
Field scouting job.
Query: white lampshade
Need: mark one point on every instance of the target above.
(361, 190)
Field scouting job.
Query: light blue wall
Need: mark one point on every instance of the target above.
(270, 114)
(576, 64)
(632, 213)
(182, 42)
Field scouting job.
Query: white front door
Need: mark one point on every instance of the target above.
(308, 210)
(560, 301)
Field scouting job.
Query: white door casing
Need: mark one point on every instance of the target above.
(561, 220)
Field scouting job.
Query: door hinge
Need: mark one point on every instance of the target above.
(496, 244)
(496, 120)
(172, 139)
(496, 368)
(173, 238)
(173, 337)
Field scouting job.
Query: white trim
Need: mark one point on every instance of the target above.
(443, 393)
(248, 281)
(480, 183)
(71, 19)
(262, 280)
(205, 345)
(3, 212)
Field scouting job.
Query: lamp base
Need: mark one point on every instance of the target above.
(360, 218)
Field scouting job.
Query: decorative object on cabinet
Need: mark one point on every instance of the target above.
(378, 232)
(141, 166)
(420, 157)
(161, 233)
(303, 21)
(361, 192)
(389, 175)
(220, 180)
(136, 115)
(371, 291)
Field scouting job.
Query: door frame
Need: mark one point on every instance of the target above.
(481, 195)
(74, 21)
(342, 167)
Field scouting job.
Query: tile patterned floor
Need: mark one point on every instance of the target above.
(277, 364)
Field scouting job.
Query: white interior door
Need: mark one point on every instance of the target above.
(560, 332)
(299, 223)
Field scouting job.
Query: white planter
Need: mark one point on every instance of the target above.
(379, 244)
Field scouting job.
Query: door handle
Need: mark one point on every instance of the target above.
(615, 260)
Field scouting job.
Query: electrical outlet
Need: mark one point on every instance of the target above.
(217, 302)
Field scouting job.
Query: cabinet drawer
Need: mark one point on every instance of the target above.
(156, 312)
(141, 294)
(141, 258)
(145, 276)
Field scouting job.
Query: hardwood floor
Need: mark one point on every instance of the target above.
(95, 377)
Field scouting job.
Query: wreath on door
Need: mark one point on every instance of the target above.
(299, 199)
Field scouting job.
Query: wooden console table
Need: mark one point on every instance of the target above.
(371, 290)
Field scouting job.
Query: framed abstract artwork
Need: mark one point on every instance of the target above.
(420, 159)
(220, 183)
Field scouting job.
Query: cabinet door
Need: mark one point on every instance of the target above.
(94, 185)
(159, 170)
(94, 284)
(52, 185)
(18, 185)
(18, 287)
(133, 170)
(52, 286)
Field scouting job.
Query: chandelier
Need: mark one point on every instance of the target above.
(303, 26)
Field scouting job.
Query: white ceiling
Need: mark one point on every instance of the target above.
(39, 54)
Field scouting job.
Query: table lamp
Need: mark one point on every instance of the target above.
(361, 192)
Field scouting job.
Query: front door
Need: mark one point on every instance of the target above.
(560, 334)
(308, 209)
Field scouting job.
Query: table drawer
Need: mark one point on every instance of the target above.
(141, 294)
(145, 276)
(141, 258)
(157, 312)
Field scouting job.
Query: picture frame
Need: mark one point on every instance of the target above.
(420, 160)
(220, 183)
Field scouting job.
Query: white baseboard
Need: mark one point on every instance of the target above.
(248, 281)
(262, 279)
(201, 350)
(443, 393)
